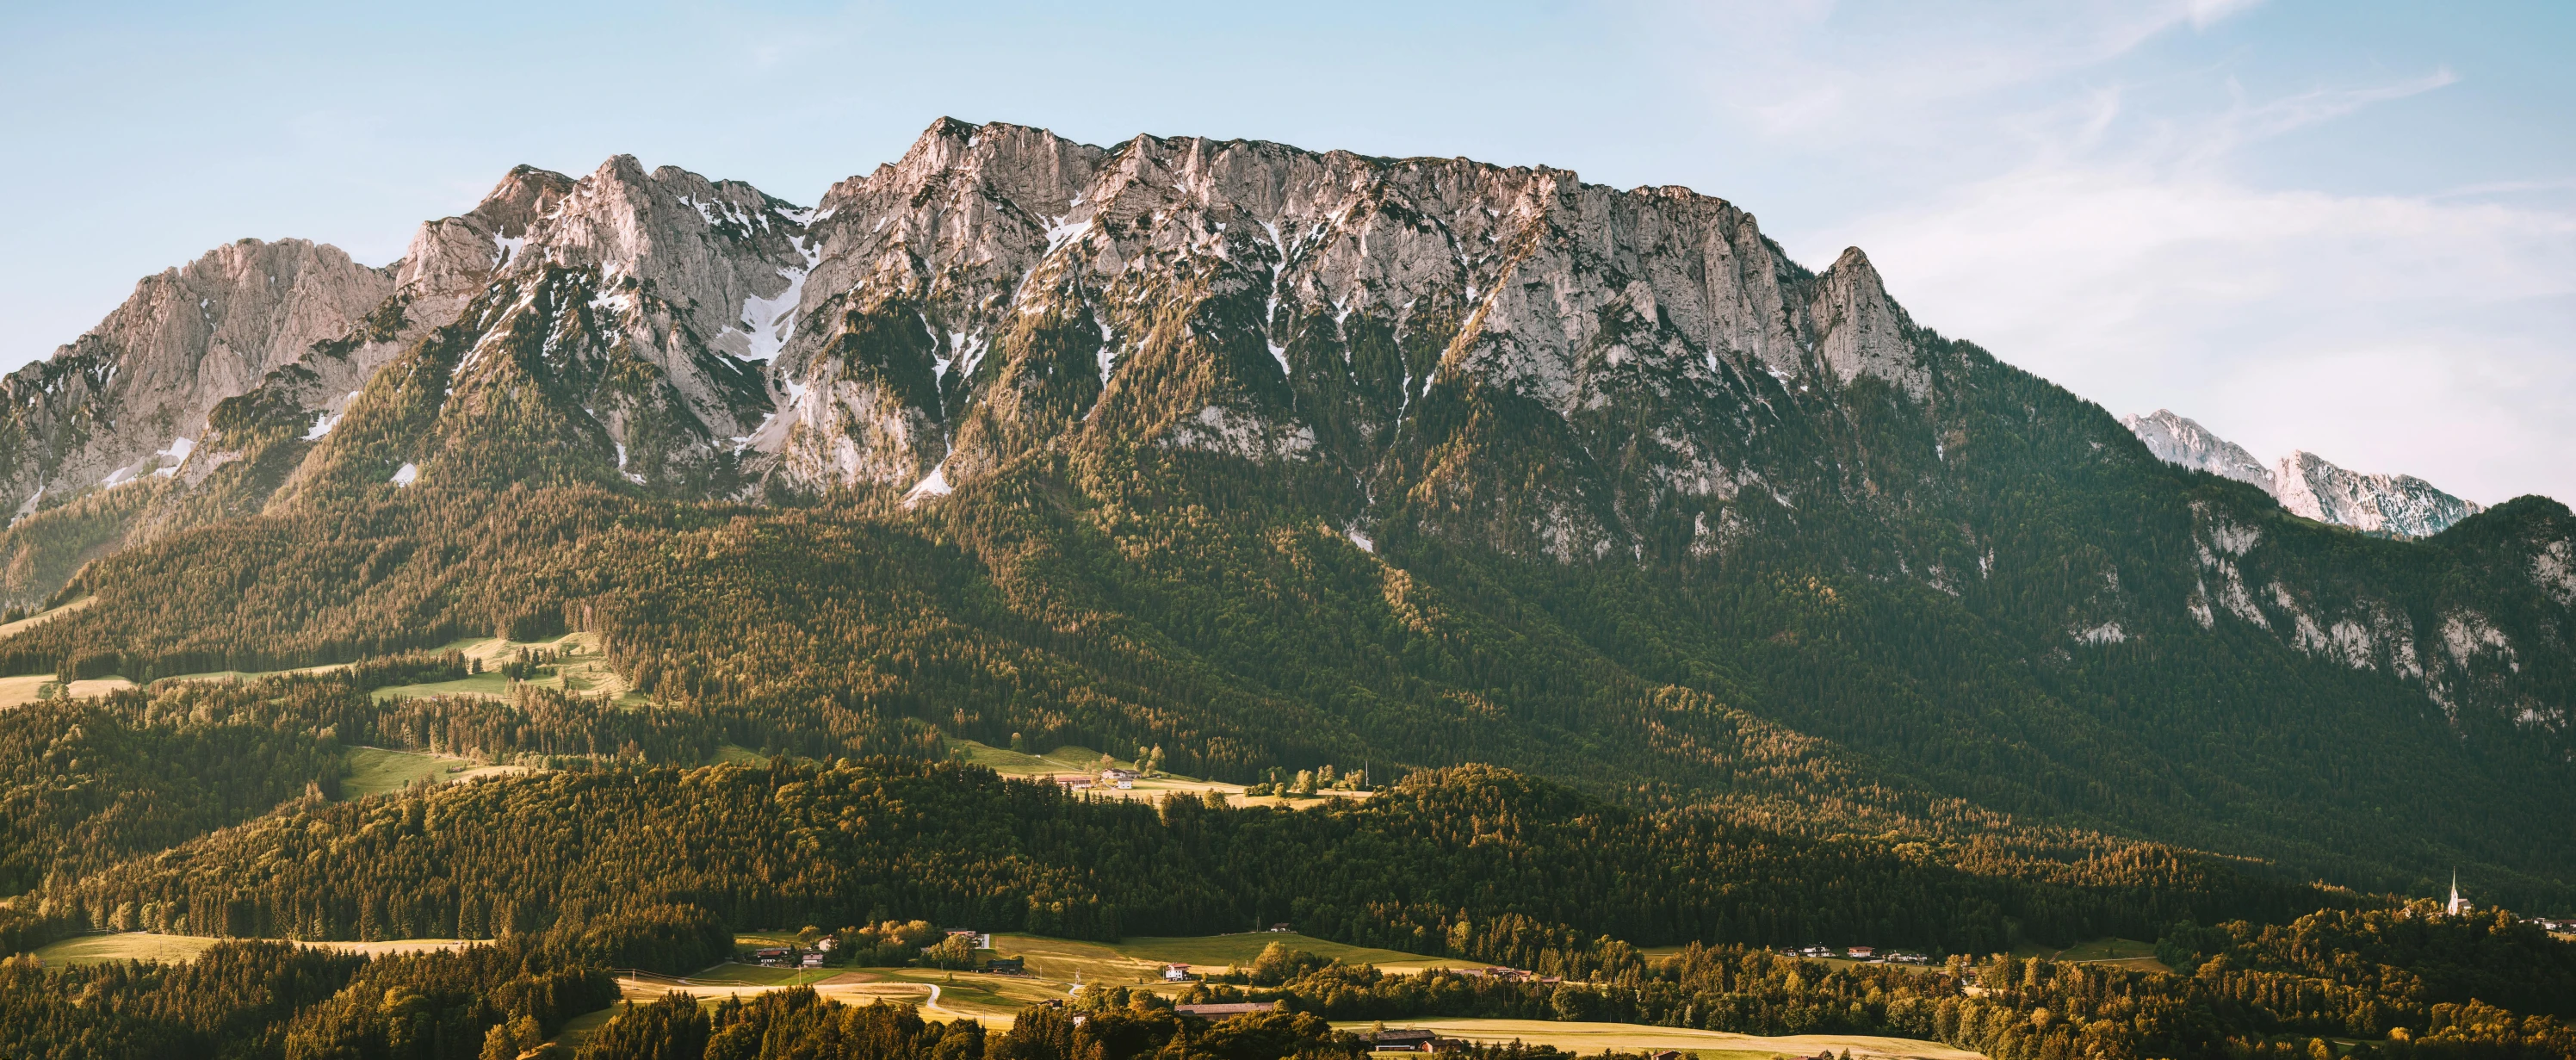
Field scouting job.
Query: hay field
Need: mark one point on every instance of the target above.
(31, 621)
(378, 770)
(938, 998)
(82, 950)
(583, 668)
(21, 690)
(1228, 951)
(1072, 759)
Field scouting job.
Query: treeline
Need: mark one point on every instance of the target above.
(2021, 1009)
(797, 1024)
(271, 999)
(1475, 861)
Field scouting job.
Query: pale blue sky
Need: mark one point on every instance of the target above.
(2346, 227)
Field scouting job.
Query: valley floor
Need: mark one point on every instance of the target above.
(1058, 966)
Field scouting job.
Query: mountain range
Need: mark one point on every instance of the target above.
(1277, 458)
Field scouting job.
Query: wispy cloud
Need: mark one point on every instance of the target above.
(2090, 215)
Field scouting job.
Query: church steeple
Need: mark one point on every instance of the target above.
(2458, 904)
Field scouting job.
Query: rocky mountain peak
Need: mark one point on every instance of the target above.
(131, 396)
(2180, 440)
(1289, 263)
(1862, 332)
(454, 254)
(2403, 505)
(2307, 484)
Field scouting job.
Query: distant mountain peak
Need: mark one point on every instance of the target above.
(2307, 484)
(2395, 504)
(2181, 440)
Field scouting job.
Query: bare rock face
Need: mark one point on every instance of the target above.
(130, 398)
(608, 329)
(2393, 504)
(2178, 440)
(2305, 483)
(1001, 289)
(1864, 333)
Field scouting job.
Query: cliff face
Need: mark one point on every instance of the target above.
(608, 329)
(1001, 289)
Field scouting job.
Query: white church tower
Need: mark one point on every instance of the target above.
(2459, 906)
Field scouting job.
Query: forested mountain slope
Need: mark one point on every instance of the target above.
(1274, 457)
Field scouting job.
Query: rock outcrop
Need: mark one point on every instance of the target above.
(130, 399)
(2402, 505)
(1000, 289)
(2305, 483)
(2178, 440)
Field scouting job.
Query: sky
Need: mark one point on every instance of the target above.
(2345, 227)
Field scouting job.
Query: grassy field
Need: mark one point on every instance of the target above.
(2130, 954)
(987, 999)
(31, 621)
(1072, 759)
(21, 690)
(582, 668)
(1229, 950)
(96, 686)
(83, 950)
(1635, 1037)
(375, 770)
(579, 1028)
(144, 946)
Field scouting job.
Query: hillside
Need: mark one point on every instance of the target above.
(1275, 458)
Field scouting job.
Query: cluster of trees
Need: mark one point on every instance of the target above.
(796, 1023)
(255, 999)
(1307, 782)
(1477, 862)
(84, 783)
(2401, 960)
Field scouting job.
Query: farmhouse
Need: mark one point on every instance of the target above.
(1860, 953)
(1175, 973)
(1405, 1040)
(1114, 774)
